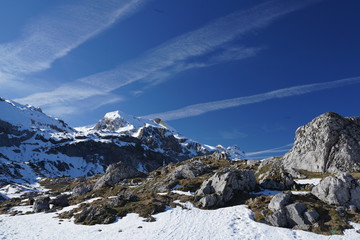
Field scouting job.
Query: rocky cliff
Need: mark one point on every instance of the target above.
(329, 143)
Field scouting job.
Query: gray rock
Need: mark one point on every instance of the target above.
(276, 180)
(279, 201)
(341, 190)
(189, 170)
(115, 173)
(278, 219)
(209, 201)
(81, 190)
(60, 201)
(311, 216)
(329, 143)
(41, 204)
(228, 182)
(294, 214)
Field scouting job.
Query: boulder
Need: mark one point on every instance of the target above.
(279, 201)
(60, 201)
(189, 170)
(329, 143)
(340, 190)
(276, 180)
(209, 201)
(225, 184)
(278, 219)
(295, 214)
(312, 216)
(41, 204)
(117, 172)
(81, 190)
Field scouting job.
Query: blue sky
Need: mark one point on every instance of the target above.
(232, 72)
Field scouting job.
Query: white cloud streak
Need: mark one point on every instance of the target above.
(179, 53)
(202, 108)
(281, 149)
(195, 43)
(55, 34)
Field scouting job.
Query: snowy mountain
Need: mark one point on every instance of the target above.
(33, 144)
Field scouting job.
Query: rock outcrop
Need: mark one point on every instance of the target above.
(224, 185)
(189, 170)
(329, 143)
(81, 190)
(341, 190)
(117, 172)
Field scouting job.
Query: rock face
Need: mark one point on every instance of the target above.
(329, 143)
(117, 172)
(223, 186)
(342, 190)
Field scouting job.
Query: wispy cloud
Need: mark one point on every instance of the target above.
(55, 34)
(202, 108)
(183, 52)
(281, 149)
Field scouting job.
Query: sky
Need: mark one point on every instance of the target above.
(245, 73)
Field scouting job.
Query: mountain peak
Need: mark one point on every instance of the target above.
(113, 115)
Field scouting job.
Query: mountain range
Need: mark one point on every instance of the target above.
(33, 144)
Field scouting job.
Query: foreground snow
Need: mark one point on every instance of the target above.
(192, 223)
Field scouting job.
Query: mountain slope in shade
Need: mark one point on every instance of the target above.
(33, 144)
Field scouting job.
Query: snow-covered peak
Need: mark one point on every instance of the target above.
(113, 115)
(26, 117)
(121, 122)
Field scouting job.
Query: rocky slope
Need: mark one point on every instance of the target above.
(329, 143)
(33, 144)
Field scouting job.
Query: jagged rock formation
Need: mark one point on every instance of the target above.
(33, 144)
(329, 143)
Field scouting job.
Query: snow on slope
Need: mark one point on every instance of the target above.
(176, 224)
(29, 117)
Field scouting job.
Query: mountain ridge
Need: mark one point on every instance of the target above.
(34, 144)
